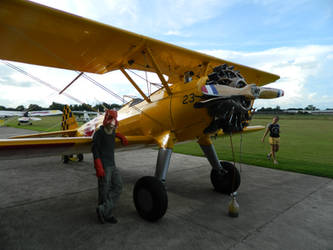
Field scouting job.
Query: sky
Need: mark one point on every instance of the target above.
(293, 39)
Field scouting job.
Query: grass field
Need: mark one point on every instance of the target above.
(306, 143)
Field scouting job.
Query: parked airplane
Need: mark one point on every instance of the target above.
(26, 117)
(86, 115)
(203, 96)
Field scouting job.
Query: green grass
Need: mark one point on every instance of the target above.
(306, 145)
(46, 124)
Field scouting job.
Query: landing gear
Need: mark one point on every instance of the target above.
(224, 176)
(150, 195)
(67, 158)
(150, 198)
(80, 157)
(225, 182)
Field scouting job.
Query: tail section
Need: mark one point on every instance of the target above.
(68, 119)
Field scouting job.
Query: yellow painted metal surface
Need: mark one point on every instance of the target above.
(44, 141)
(48, 134)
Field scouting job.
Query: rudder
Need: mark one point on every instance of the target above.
(68, 119)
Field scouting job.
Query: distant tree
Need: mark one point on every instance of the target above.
(56, 106)
(86, 106)
(20, 108)
(34, 107)
(310, 107)
(115, 106)
(2, 108)
(294, 109)
(100, 107)
(264, 109)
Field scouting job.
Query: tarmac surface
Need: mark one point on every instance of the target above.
(45, 204)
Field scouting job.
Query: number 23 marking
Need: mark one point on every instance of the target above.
(188, 98)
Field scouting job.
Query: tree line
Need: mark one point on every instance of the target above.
(278, 109)
(59, 106)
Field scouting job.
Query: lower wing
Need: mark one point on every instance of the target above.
(11, 149)
(26, 147)
(247, 129)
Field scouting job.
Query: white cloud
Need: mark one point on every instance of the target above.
(169, 16)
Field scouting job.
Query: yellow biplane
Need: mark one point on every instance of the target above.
(200, 96)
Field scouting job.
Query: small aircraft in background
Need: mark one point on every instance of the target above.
(27, 117)
(200, 96)
(86, 115)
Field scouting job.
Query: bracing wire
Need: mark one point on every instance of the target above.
(234, 160)
(240, 152)
(39, 80)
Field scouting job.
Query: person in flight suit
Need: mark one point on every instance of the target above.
(109, 178)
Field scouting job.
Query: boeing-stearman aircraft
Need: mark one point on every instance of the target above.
(201, 97)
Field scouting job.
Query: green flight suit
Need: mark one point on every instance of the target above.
(109, 187)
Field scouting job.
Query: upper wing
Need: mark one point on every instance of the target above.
(36, 34)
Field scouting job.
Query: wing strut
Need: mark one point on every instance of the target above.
(158, 71)
(135, 85)
(71, 83)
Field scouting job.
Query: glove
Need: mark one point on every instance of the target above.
(123, 139)
(99, 167)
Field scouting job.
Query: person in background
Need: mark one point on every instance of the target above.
(274, 138)
(109, 178)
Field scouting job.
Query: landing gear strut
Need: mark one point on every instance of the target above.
(224, 176)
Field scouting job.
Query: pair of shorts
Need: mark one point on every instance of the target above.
(274, 140)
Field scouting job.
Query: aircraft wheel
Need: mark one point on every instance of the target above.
(225, 183)
(150, 198)
(80, 157)
(65, 159)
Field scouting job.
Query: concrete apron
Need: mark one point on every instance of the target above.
(45, 204)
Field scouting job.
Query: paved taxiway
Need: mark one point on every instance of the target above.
(45, 204)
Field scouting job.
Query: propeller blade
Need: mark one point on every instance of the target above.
(250, 91)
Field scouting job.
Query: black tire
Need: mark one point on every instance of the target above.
(226, 183)
(150, 198)
(80, 157)
(65, 159)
